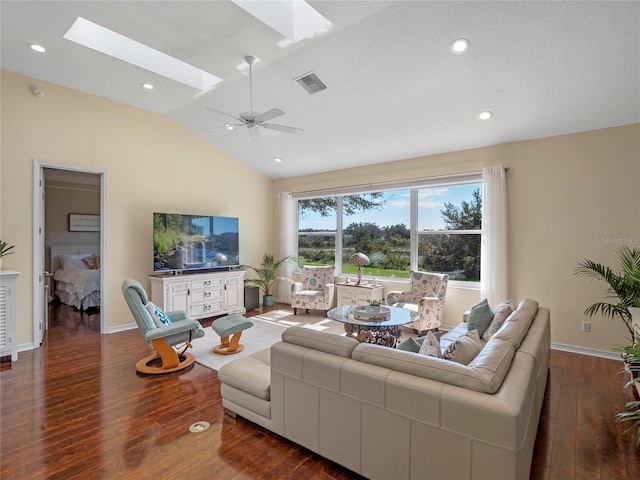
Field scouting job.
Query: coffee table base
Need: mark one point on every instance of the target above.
(387, 336)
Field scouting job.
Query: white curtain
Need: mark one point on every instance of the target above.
(493, 252)
(287, 237)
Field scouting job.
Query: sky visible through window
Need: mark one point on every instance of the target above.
(396, 209)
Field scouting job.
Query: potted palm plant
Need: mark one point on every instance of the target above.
(631, 413)
(267, 274)
(624, 285)
(5, 249)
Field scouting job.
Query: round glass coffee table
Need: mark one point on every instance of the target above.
(380, 326)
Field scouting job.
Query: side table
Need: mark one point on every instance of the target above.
(349, 294)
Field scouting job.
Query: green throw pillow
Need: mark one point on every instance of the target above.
(410, 345)
(480, 317)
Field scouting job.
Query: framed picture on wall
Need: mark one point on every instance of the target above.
(84, 222)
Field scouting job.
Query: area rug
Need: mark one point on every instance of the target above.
(267, 329)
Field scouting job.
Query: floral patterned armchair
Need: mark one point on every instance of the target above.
(315, 292)
(426, 297)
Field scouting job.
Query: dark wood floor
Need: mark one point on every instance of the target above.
(76, 409)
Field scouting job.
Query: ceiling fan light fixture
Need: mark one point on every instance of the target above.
(459, 45)
(228, 126)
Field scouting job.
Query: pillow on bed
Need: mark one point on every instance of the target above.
(92, 262)
(74, 262)
(159, 317)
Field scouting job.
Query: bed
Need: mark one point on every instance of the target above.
(76, 273)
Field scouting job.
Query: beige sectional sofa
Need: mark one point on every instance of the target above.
(391, 414)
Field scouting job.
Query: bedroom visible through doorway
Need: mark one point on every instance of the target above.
(69, 230)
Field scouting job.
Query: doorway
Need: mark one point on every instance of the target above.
(61, 193)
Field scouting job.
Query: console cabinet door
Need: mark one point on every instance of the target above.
(178, 298)
(234, 291)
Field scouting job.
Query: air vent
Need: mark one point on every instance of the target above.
(311, 83)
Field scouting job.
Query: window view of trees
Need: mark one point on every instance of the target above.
(378, 225)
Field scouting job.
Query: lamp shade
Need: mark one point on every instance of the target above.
(359, 259)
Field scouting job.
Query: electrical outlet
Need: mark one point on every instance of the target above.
(586, 327)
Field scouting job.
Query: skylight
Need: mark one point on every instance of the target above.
(115, 45)
(294, 19)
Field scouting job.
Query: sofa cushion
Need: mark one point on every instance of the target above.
(493, 362)
(517, 325)
(464, 348)
(250, 374)
(480, 317)
(500, 315)
(432, 368)
(325, 342)
(430, 346)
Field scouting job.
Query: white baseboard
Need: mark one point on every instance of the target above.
(122, 328)
(586, 351)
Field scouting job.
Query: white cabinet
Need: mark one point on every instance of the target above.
(352, 294)
(8, 297)
(201, 295)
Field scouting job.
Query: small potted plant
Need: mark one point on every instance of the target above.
(267, 274)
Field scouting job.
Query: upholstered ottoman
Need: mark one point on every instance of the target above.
(230, 325)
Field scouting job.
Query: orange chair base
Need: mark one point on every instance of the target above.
(229, 347)
(164, 360)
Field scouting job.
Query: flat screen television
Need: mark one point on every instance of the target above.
(194, 242)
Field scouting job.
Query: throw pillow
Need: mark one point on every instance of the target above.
(500, 314)
(159, 317)
(92, 262)
(74, 262)
(409, 345)
(464, 348)
(480, 317)
(431, 346)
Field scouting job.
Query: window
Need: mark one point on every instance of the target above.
(434, 227)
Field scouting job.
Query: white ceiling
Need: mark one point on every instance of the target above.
(395, 91)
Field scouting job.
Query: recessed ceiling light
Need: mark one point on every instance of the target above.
(228, 126)
(459, 45)
(148, 86)
(277, 159)
(37, 48)
(485, 115)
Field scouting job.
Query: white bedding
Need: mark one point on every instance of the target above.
(78, 288)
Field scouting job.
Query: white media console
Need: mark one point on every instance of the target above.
(200, 295)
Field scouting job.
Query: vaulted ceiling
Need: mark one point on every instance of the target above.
(394, 89)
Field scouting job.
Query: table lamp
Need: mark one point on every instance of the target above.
(359, 259)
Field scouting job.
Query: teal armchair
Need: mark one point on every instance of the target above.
(161, 338)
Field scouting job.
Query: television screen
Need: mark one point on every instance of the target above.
(194, 242)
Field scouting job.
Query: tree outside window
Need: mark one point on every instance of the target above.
(447, 232)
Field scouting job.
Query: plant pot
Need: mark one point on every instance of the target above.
(267, 301)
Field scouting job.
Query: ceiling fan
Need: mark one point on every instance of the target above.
(252, 119)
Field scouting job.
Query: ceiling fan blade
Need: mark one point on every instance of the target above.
(268, 115)
(222, 113)
(283, 128)
(253, 132)
(228, 126)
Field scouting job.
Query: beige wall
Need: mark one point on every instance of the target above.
(152, 164)
(569, 197)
